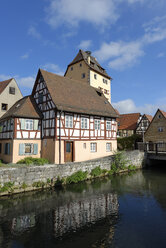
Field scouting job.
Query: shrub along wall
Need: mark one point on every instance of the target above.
(31, 177)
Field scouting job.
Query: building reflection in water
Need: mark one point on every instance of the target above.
(78, 214)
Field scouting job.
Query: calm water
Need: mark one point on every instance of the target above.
(122, 211)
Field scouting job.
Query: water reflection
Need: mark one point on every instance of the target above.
(99, 213)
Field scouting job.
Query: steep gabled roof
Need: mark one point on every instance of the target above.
(163, 112)
(25, 107)
(94, 65)
(76, 96)
(128, 121)
(149, 117)
(4, 84)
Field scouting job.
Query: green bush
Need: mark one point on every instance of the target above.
(77, 177)
(24, 185)
(38, 184)
(119, 162)
(7, 187)
(96, 172)
(131, 167)
(128, 143)
(33, 161)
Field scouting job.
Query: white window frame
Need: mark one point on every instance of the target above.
(108, 125)
(68, 121)
(97, 124)
(29, 124)
(84, 123)
(93, 147)
(108, 147)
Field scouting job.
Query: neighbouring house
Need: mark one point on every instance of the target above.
(156, 132)
(86, 68)
(9, 94)
(143, 124)
(63, 120)
(20, 131)
(127, 124)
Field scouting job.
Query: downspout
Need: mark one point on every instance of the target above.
(60, 136)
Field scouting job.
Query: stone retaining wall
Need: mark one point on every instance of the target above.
(31, 174)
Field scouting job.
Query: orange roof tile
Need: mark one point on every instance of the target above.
(128, 121)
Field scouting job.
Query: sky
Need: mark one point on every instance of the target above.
(128, 38)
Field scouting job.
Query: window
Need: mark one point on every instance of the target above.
(84, 123)
(160, 129)
(84, 145)
(93, 147)
(104, 81)
(71, 68)
(40, 97)
(28, 149)
(80, 65)
(108, 125)
(97, 124)
(4, 106)
(29, 124)
(0, 147)
(159, 116)
(7, 148)
(108, 147)
(69, 121)
(83, 75)
(12, 90)
(95, 76)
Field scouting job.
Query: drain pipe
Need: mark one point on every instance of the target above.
(60, 113)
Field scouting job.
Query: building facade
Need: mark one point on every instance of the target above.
(9, 94)
(64, 120)
(143, 124)
(86, 68)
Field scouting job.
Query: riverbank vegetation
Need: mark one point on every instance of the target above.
(118, 165)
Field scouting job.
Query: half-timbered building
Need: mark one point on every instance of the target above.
(20, 131)
(143, 124)
(68, 120)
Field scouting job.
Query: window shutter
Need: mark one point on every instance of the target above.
(22, 123)
(35, 149)
(21, 149)
(36, 122)
(8, 149)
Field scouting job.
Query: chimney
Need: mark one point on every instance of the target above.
(88, 56)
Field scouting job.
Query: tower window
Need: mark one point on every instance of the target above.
(95, 76)
(80, 65)
(71, 68)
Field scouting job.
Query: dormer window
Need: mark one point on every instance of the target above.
(4, 106)
(12, 90)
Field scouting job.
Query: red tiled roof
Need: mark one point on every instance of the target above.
(128, 121)
(3, 84)
(149, 117)
(163, 112)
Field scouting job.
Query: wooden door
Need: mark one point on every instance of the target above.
(69, 151)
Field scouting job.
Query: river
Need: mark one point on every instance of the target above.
(126, 211)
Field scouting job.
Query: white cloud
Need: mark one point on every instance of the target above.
(128, 106)
(71, 12)
(27, 82)
(25, 56)
(32, 31)
(53, 68)
(121, 55)
(160, 55)
(85, 44)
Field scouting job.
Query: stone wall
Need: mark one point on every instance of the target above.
(31, 174)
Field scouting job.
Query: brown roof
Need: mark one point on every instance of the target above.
(3, 84)
(163, 112)
(76, 96)
(94, 65)
(149, 117)
(128, 121)
(25, 107)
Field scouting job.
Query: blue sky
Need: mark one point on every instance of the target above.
(128, 37)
